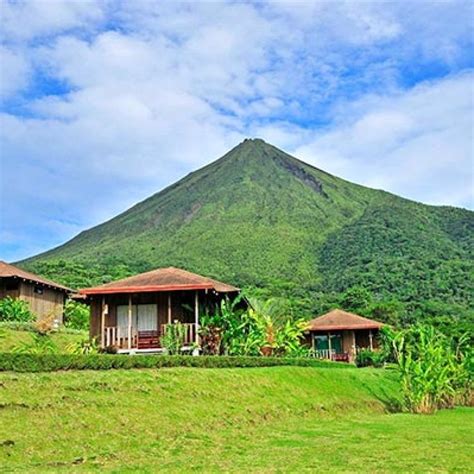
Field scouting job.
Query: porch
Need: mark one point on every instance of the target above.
(137, 322)
(344, 345)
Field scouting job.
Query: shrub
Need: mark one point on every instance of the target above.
(76, 315)
(368, 358)
(28, 362)
(173, 338)
(15, 310)
(39, 344)
(85, 346)
(435, 372)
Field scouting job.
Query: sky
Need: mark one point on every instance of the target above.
(104, 103)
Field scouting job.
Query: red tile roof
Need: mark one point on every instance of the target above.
(338, 319)
(10, 271)
(162, 279)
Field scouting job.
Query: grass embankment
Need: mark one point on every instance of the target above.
(11, 338)
(279, 419)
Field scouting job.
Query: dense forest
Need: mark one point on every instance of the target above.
(280, 228)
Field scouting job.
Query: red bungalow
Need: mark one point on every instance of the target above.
(132, 314)
(338, 335)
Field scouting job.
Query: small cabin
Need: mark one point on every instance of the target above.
(131, 315)
(45, 297)
(340, 335)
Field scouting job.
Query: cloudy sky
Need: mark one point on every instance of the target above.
(104, 103)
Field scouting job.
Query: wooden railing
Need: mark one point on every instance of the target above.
(324, 353)
(118, 336)
(189, 332)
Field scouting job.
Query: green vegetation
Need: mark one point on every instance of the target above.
(76, 315)
(51, 360)
(266, 221)
(15, 310)
(435, 371)
(280, 419)
(23, 335)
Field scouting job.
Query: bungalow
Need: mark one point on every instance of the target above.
(339, 335)
(132, 314)
(45, 297)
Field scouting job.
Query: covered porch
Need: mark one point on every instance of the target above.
(339, 335)
(132, 315)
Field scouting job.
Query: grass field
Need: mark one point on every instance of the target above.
(11, 338)
(281, 419)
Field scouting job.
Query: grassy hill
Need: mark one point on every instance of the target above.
(282, 419)
(260, 218)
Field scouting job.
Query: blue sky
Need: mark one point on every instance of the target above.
(104, 103)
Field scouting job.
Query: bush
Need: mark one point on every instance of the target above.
(436, 372)
(76, 315)
(173, 338)
(54, 362)
(15, 310)
(368, 358)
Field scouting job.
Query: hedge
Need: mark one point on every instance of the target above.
(54, 362)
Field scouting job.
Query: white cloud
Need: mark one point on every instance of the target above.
(152, 90)
(416, 143)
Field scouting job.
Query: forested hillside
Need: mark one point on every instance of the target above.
(265, 221)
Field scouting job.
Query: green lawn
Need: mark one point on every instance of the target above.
(10, 338)
(281, 419)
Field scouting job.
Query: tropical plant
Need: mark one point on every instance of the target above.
(369, 358)
(76, 315)
(173, 338)
(39, 344)
(434, 372)
(15, 310)
(86, 346)
(210, 333)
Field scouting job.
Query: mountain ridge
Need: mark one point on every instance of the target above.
(260, 218)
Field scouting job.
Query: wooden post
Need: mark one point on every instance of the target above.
(329, 345)
(354, 346)
(371, 343)
(102, 323)
(130, 321)
(169, 308)
(196, 317)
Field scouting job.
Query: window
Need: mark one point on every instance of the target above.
(11, 285)
(38, 290)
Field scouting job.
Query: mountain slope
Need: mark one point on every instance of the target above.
(259, 217)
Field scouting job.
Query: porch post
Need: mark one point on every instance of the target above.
(102, 322)
(169, 308)
(129, 321)
(354, 349)
(196, 316)
(329, 345)
(371, 343)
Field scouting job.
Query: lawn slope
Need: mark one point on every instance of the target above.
(282, 419)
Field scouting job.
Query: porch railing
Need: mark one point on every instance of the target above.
(118, 336)
(189, 332)
(325, 353)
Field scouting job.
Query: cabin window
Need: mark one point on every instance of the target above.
(11, 285)
(38, 290)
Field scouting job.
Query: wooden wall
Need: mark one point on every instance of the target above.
(49, 303)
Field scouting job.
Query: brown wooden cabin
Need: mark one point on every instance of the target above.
(45, 297)
(339, 335)
(132, 314)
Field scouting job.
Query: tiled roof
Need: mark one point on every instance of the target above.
(162, 279)
(10, 271)
(338, 319)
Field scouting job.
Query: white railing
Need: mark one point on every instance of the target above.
(189, 332)
(118, 336)
(324, 353)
